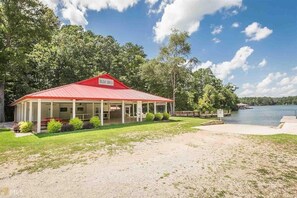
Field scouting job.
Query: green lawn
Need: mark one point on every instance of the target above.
(41, 151)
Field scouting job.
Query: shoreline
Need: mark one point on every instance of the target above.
(288, 125)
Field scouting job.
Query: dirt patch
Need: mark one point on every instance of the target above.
(188, 165)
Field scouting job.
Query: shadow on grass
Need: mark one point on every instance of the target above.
(4, 129)
(106, 127)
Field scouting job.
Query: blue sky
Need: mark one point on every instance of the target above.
(247, 42)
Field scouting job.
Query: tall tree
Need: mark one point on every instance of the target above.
(171, 64)
(69, 57)
(175, 55)
(126, 65)
(22, 25)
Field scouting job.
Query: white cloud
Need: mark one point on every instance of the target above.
(255, 32)
(235, 25)
(269, 79)
(231, 77)
(160, 8)
(185, 15)
(294, 68)
(151, 2)
(217, 30)
(224, 69)
(274, 84)
(263, 63)
(75, 10)
(216, 40)
(52, 4)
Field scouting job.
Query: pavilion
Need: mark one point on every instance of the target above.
(102, 96)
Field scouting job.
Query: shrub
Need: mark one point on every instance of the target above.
(95, 120)
(77, 123)
(16, 127)
(149, 117)
(25, 127)
(166, 116)
(67, 127)
(54, 126)
(158, 116)
(88, 125)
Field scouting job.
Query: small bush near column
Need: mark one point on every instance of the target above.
(25, 127)
(88, 125)
(149, 117)
(16, 127)
(54, 126)
(158, 116)
(166, 116)
(77, 123)
(67, 127)
(95, 120)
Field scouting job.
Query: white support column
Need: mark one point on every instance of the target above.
(137, 111)
(155, 107)
(39, 116)
(22, 111)
(101, 112)
(123, 111)
(140, 111)
(93, 109)
(165, 107)
(30, 111)
(148, 107)
(25, 111)
(73, 108)
(52, 110)
(18, 113)
(133, 112)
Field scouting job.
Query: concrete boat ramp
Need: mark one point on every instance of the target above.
(288, 126)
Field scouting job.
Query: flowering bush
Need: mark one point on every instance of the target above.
(54, 126)
(149, 117)
(25, 127)
(158, 116)
(95, 120)
(77, 123)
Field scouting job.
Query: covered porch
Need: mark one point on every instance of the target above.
(40, 111)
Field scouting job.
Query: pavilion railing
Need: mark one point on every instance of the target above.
(206, 114)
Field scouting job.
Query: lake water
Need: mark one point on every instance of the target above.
(262, 115)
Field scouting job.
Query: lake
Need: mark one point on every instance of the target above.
(262, 115)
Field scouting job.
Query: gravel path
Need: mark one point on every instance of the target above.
(199, 164)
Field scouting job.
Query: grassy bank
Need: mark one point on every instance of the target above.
(41, 151)
(285, 141)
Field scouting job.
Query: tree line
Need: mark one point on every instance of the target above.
(37, 53)
(262, 101)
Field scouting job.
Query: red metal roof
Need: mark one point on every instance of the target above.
(91, 89)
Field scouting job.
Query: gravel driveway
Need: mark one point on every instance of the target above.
(198, 164)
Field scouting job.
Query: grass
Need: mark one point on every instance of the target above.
(286, 141)
(41, 151)
(4, 129)
(281, 138)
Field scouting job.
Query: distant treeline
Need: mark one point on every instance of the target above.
(258, 101)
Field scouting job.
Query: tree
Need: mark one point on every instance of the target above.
(170, 66)
(209, 100)
(69, 57)
(127, 65)
(22, 25)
